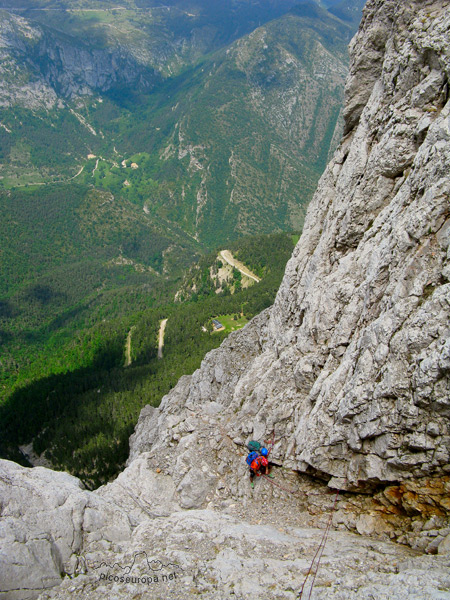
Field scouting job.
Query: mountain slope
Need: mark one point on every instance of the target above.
(253, 126)
(347, 10)
(233, 145)
(41, 65)
(166, 36)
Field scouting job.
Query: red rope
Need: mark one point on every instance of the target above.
(278, 485)
(272, 443)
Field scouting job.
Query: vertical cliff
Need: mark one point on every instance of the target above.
(351, 365)
(363, 311)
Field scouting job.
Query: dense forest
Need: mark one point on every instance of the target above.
(81, 398)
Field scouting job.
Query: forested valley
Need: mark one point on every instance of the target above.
(69, 386)
(141, 147)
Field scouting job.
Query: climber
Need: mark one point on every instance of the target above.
(259, 466)
(254, 446)
(256, 453)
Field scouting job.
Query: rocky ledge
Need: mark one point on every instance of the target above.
(132, 539)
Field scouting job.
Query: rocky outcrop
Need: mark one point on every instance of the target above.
(130, 539)
(47, 520)
(39, 67)
(346, 377)
(223, 557)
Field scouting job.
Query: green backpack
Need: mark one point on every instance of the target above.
(254, 446)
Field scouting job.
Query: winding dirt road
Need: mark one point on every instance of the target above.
(162, 328)
(128, 347)
(228, 258)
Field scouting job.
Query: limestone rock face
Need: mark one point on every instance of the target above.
(47, 518)
(363, 311)
(346, 378)
(226, 558)
(130, 539)
(350, 367)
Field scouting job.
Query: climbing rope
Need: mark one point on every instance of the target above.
(278, 485)
(272, 443)
(318, 554)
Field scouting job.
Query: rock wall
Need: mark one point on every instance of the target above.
(346, 377)
(351, 365)
(47, 520)
(362, 317)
